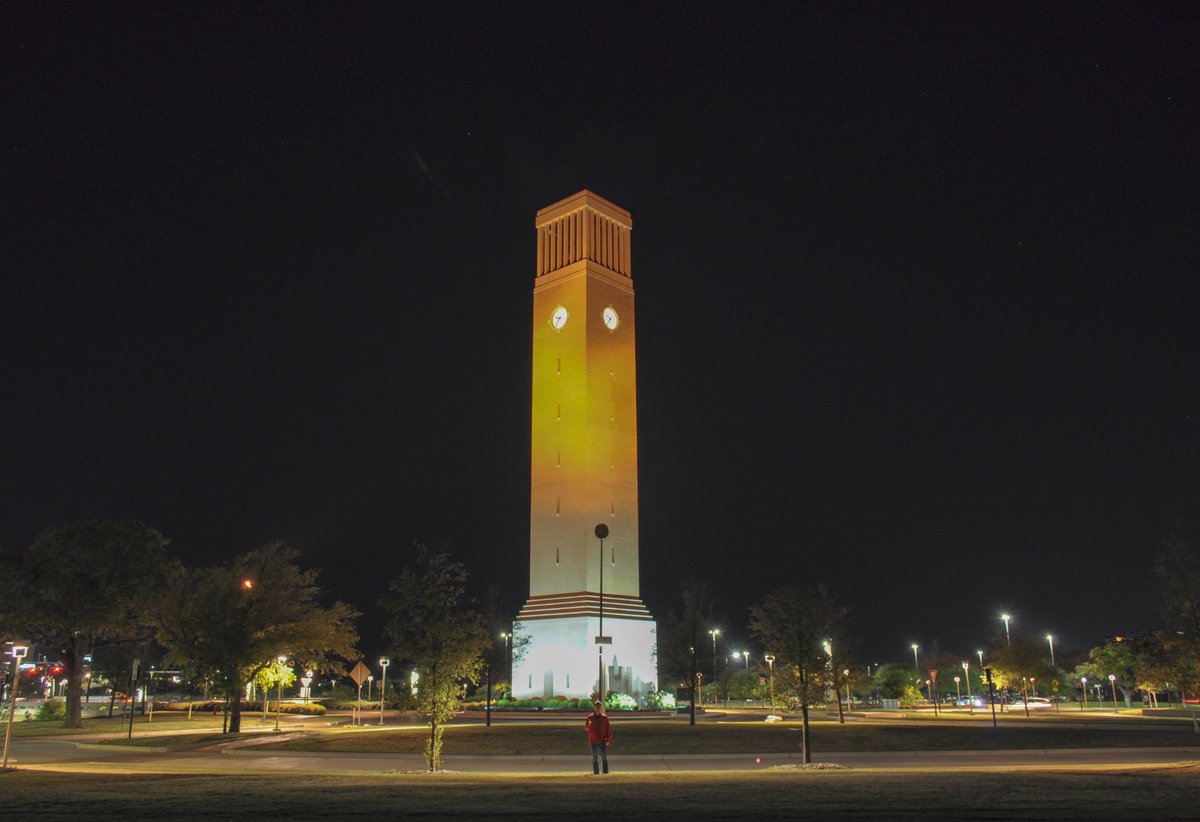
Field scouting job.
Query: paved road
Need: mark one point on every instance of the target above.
(60, 754)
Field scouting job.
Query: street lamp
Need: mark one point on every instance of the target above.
(770, 658)
(957, 689)
(746, 659)
(507, 637)
(713, 632)
(1050, 639)
(846, 674)
(1113, 679)
(306, 681)
(1007, 635)
(966, 666)
(18, 653)
(980, 655)
(370, 682)
(1083, 706)
(279, 698)
(916, 664)
(384, 662)
(601, 532)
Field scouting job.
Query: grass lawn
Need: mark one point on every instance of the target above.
(746, 737)
(1158, 792)
(173, 741)
(162, 722)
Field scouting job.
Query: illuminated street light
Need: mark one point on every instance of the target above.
(384, 662)
(1007, 635)
(966, 666)
(770, 659)
(279, 699)
(1083, 679)
(980, 655)
(746, 659)
(916, 664)
(957, 688)
(1113, 679)
(1050, 639)
(247, 584)
(713, 632)
(18, 653)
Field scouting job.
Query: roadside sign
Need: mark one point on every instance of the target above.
(360, 673)
(933, 674)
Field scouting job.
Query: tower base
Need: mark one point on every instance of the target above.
(561, 658)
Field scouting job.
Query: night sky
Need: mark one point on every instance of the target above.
(916, 290)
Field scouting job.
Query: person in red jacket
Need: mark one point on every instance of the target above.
(599, 735)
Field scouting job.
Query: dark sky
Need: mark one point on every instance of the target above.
(916, 290)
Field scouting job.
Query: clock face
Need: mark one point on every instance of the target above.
(559, 318)
(611, 319)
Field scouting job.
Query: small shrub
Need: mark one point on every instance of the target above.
(503, 703)
(52, 709)
(573, 703)
(661, 700)
(536, 702)
(554, 704)
(618, 701)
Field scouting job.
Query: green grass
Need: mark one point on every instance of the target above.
(1158, 792)
(173, 740)
(745, 737)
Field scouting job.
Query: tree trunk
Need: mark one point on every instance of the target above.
(74, 663)
(433, 751)
(692, 701)
(805, 755)
(235, 708)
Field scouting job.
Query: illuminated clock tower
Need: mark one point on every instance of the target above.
(584, 462)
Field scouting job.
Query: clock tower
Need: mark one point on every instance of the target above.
(583, 467)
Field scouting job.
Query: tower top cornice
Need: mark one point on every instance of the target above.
(581, 200)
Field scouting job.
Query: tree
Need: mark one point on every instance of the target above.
(1178, 575)
(433, 627)
(1113, 659)
(894, 679)
(83, 586)
(1024, 659)
(272, 677)
(794, 623)
(683, 638)
(230, 622)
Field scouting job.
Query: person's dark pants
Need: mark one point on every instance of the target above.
(599, 753)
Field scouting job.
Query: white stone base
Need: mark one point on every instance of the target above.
(562, 658)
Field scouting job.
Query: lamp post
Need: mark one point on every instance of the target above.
(746, 659)
(713, 632)
(916, 664)
(279, 697)
(846, 674)
(770, 658)
(1050, 639)
(1113, 679)
(507, 637)
(1007, 635)
(18, 653)
(601, 532)
(370, 683)
(306, 682)
(1083, 705)
(957, 688)
(384, 662)
(966, 666)
(980, 655)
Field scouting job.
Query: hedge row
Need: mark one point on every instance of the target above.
(217, 706)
